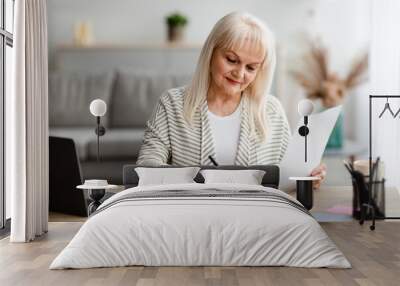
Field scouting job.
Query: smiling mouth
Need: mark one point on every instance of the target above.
(233, 81)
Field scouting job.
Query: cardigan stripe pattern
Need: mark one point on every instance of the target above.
(169, 139)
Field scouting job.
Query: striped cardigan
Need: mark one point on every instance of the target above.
(169, 139)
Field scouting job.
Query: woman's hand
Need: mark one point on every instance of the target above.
(319, 171)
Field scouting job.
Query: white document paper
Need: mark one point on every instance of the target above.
(293, 163)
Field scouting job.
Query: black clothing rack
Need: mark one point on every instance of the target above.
(371, 202)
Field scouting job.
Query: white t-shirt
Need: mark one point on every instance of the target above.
(225, 132)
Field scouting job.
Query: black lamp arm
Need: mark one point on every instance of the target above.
(303, 131)
(100, 131)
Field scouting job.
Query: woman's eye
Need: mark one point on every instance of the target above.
(250, 68)
(231, 60)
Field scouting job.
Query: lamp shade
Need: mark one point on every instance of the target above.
(305, 107)
(98, 107)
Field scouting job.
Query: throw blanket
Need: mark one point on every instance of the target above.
(206, 194)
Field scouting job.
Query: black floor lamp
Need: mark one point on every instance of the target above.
(98, 108)
(371, 203)
(304, 191)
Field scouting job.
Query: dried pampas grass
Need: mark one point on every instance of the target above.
(320, 83)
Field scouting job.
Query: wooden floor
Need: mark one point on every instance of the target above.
(375, 257)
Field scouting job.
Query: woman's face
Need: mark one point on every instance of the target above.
(233, 70)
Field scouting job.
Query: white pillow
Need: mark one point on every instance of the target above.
(162, 176)
(248, 177)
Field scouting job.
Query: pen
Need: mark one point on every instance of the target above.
(212, 160)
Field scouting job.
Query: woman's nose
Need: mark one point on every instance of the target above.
(238, 72)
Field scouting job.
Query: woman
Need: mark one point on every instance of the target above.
(225, 114)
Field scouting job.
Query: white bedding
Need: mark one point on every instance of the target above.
(181, 231)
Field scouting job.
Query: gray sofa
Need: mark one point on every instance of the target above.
(130, 96)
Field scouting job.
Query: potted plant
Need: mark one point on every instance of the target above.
(322, 84)
(176, 23)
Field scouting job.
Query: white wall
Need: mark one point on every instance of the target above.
(127, 21)
(343, 24)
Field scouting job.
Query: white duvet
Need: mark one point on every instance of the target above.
(226, 231)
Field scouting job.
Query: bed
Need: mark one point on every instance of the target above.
(201, 224)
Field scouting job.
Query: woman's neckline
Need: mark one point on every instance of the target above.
(229, 116)
(233, 113)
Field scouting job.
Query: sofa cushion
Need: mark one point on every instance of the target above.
(121, 143)
(135, 95)
(70, 94)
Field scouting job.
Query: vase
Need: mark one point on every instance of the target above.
(175, 33)
(335, 140)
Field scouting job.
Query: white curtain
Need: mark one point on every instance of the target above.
(27, 124)
(385, 80)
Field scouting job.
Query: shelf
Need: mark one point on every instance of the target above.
(141, 46)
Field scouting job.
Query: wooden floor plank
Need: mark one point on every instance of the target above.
(375, 257)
